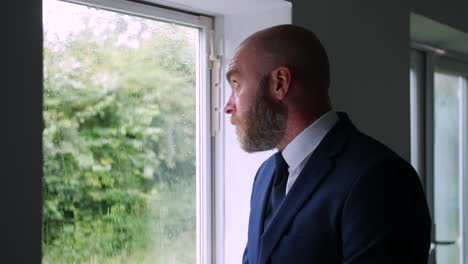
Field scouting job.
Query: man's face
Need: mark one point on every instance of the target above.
(259, 119)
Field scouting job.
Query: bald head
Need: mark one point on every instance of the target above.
(279, 80)
(296, 48)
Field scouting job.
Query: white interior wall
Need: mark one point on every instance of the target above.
(240, 167)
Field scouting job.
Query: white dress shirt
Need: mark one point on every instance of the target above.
(298, 151)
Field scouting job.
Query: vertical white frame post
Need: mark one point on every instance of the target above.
(205, 221)
(205, 194)
(461, 187)
(464, 165)
(417, 103)
(429, 144)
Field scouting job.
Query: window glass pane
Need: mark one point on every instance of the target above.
(448, 254)
(119, 138)
(446, 164)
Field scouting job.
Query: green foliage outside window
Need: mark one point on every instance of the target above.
(119, 143)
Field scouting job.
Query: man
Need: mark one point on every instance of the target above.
(330, 194)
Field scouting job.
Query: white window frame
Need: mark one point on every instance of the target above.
(207, 106)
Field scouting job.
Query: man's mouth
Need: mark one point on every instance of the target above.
(234, 123)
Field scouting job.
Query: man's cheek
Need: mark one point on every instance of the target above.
(242, 105)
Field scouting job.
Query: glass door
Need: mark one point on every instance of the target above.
(439, 144)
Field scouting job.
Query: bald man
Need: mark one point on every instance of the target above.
(330, 194)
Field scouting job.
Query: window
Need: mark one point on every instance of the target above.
(127, 164)
(439, 123)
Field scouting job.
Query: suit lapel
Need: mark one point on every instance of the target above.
(315, 171)
(291, 204)
(258, 208)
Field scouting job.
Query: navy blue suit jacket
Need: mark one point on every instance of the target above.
(355, 201)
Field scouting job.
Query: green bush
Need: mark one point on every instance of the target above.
(119, 144)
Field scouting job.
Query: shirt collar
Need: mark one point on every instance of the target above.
(308, 140)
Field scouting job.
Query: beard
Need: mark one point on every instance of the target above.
(264, 122)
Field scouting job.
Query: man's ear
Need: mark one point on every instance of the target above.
(281, 81)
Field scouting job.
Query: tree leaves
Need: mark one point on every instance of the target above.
(119, 126)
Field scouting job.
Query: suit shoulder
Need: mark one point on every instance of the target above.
(363, 154)
(363, 149)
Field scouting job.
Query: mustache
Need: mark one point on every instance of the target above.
(235, 120)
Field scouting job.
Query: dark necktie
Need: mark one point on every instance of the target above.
(278, 189)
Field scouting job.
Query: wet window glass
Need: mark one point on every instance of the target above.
(119, 137)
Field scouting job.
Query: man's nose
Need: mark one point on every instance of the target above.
(230, 107)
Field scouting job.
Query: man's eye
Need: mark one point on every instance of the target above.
(235, 84)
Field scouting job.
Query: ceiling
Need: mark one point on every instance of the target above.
(431, 32)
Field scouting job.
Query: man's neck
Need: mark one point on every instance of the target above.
(296, 123)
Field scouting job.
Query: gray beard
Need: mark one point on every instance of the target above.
(265, 121)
